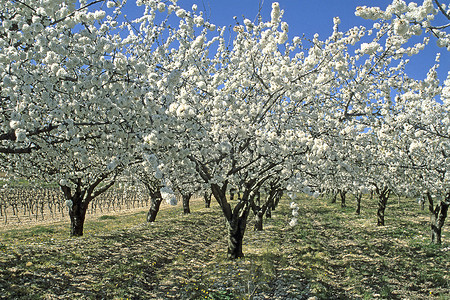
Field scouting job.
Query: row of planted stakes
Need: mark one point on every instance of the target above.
(21, 205)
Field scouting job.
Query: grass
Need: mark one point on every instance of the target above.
(107, 217)
(331, 254)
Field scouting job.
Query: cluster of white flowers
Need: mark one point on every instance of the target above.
(371, 13)
(370, 48)
(295, 209)
(410, 19)
(199, 112)
(275, 14)
(401, 26)
(168, 195)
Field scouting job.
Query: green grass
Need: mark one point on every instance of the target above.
(107, 217)
(332, 254)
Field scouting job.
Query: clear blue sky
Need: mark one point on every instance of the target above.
(309, 17)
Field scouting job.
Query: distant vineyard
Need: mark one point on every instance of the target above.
(20, 205)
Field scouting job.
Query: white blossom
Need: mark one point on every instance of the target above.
(21, 135)
(293, 222)
(369, 48)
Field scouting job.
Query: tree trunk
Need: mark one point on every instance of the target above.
(236, 229)
(342, 193)
(358, 203)
(207, 198)
(236, 219)
(257, 198)
(77, 215)
(232, 192)
(438, 215)
(156, 200)
(259, 211)
(186, 198)
(271, 205)
(79, 199)
(383, 196)
(259, 220)
(333, 196)
(277, 199)
(269, 212)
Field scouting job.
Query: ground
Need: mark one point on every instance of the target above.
(331, 254)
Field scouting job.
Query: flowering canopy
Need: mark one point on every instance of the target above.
(84, 96)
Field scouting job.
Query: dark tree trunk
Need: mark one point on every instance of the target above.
(342, 193)
(258, 198)
(232, 193)
(259, 211)
(273, 203)
(334, 196)
(186, 198)
(438, 215)
(156, 200)
(269, 212)
(207, 198)
(236, 230)
(358, 203)
(277, 199)
(236, 219)
(79, 199)
(259, 220)
(77, 214)
(383, 196)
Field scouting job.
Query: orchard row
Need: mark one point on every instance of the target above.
(182, 105)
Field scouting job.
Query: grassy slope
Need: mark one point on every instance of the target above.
(332, 254)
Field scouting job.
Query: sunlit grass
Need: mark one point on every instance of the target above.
(331, 253)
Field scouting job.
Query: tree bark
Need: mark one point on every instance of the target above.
(207, 197)
(186, 198)
(269, 212)
(236, 230)
(236, 219)
(258, 210)
(79, 199)
(277, 199)
(358, 203)
(257, 198)
(342, 193)
(259, 220)
(438, 215)
(383, 196)
(77, 213)
(232, 193)
(334, 196)
(156, 200)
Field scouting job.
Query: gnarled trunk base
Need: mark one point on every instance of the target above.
(77, 216)
(383, 196)
(236, 230)
(186, 208)
(154, 207)
(438, 215)
(259, 221)
(358, 204)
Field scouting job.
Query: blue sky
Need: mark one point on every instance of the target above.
(309, 17)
